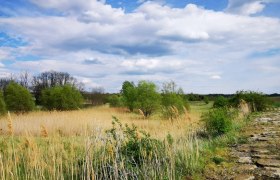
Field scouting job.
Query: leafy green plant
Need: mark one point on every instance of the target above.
(61, 98)
(173, 103)
(115, 100)
(257, 100)
(18, 98)
(135, 146)
(148, 99)
(129, 93)
(3, 109)
(220, 102)
(218, 121)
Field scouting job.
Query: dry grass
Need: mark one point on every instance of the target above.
(80, 122)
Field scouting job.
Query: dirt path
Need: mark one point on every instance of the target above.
(258, 157)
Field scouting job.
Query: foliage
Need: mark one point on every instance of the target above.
(220, 102)
(173, 102)
(18, 98)
(148, 99)
(129, 93)
(3, 109)
(258, 101)
(51, 79)
(61, 98)
(206, 100)
(218, 121)
(115, 100)
(135, 146)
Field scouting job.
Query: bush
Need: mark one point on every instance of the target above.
(115, 100)
(258, 101)
(134, 146)
(220, 102)
(172, 101)
(129, 94)
(18, 98)
(61, 98)
(218, 121)
(3, 109)
(148, 99)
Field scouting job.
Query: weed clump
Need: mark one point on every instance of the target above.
(218, 121)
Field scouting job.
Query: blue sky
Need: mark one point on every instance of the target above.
(205, 46)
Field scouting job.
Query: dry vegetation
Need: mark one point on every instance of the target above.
(72, 123)
(74, 145)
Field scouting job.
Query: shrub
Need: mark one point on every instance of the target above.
(61, 98)
(3, 109)
(218, 121)
(220, 102)
(129, 93)
(148, 99)
(172, 101)
(206, 100)
(258, 101)
(134, 146)
(115, 100)
(18, 98)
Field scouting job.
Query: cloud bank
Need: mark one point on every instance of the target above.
(203, 50)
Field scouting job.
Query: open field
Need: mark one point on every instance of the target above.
(74, 145)
(81, 122)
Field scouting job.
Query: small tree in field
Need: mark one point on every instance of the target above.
(148, 99)
(172, 100)
(18, 98)
(220, 102)
(129, 94)
(3, 109)
(61, 98)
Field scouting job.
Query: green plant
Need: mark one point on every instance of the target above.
(148, 99)
(129, 94)
(218, 121)
(220, 102)
(115, 100)
(61, 98)
(257, 100)
(18, 98)
(173, 103)
(3, 109)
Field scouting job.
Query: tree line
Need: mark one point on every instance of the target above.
(51, 90)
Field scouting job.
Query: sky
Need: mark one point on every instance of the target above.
(205, 46)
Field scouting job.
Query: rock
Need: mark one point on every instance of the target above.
(246, 167)
(244, 177)
(272, 172)
(264, 156)
(268, 162)
(264, 120)
(244, 148)
(245, 160)
(260, 151)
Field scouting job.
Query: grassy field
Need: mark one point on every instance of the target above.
(75, 145)
(85, 121)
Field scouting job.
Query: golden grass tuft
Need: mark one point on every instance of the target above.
(44, 132)
(10, 124)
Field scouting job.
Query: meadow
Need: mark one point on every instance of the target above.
(76, 145)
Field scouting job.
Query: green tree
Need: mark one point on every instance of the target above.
(18, 98)
(172, 100)
(148, 99)
(115, 100)
(129, 94)
(3, 109)
(220, 102)
(257, 100)
(61, 98)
